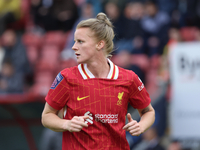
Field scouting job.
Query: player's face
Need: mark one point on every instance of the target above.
(85, 45)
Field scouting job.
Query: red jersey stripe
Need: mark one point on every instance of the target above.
(113, 74)
(84, 71)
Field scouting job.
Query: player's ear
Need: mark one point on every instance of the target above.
(100, 45)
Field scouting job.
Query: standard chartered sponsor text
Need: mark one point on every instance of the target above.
(107, 118)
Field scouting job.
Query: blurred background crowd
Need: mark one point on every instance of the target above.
(36, 37)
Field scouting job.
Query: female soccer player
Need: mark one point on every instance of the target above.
(95, 94)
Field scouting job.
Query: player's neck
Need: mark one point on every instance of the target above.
(99, 68)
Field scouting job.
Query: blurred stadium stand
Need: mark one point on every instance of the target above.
(20, 113)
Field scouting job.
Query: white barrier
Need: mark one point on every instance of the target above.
(185, 83)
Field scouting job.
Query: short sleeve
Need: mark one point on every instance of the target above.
(139, 97)
(58, 94)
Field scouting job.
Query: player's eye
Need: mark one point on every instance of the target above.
(80, 41)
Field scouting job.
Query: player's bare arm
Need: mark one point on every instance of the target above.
(51, 120)
(147, 118)
(145, 110)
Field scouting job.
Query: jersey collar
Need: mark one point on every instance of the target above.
(86, 74)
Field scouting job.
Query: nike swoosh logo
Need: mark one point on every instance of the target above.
(81, 98)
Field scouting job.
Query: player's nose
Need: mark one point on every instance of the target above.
(74, 47)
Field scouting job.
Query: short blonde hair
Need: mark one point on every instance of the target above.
(103, 30)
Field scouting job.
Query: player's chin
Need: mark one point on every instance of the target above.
(80, 61)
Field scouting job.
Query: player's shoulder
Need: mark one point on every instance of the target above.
(126, 74)
(69, 72)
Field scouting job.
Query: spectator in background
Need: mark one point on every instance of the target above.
(155, 25)
(131, 41)
(113, 12)
(167, 5)
(10, 11)
(54, 14)
(97, 5)
(121, 4)
(11, 81)
(65, 13)
(87, 11)
(163, 70)
(40, 12)
(131, 27)
(16, 52)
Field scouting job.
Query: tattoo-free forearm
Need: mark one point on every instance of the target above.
(53, 122)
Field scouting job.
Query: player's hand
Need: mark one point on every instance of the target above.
(133, 127)
(77, 123)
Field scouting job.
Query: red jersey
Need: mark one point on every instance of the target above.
(104, 100)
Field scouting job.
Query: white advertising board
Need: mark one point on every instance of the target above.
(185, 99)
